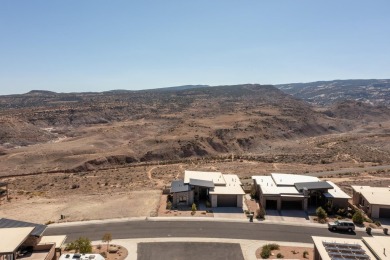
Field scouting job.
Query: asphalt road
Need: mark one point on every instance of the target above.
(229, 230)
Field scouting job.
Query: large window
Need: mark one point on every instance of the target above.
(182, 198)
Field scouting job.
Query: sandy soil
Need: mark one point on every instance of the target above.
(179, 212)
(87, 207)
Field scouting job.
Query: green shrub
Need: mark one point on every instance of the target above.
(193, 208)
(169, 205)
(265, 252)
(253, 192)
(358, 217)
(305, 254)
(82, 245)
(260, 213)
(279, 255)
(274, 246)
(321, 214)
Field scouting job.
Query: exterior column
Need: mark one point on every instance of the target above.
(305, 204)
(279, 204)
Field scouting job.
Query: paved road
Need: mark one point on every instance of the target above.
(229, 230)
(350, 170)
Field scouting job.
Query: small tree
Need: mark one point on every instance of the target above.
(193, 208)
(82, 245)
(107, 237)
(321, 213)
(358, 217)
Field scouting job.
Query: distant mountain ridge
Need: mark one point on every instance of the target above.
(373, 91)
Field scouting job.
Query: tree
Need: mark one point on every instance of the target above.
(321, 213)
(82, 245)
(358, 217)
(107, 237)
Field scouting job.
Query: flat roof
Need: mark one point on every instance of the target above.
(374, 195)
(15, 237)
(58, 240)
(286, 179)
(216, 177)
(11, 223)
(342, 243)
(179, 186)
(230, 188)
(336, 192)
(269, 187)
(379, 245)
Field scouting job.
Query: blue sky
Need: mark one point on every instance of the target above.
(94, 45)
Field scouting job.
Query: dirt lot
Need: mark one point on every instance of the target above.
(87, 207)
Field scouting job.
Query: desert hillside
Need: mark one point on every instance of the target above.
(55, 132)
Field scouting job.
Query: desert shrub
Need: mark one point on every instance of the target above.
(349, 215)
(99, 247)
(193, 207)
(378, 223)
(321, 214)
(341, 212)
(49, 222)
(169, 205)
(260, 213)
(274, 246)
(279, 255)
(193, 213)
(265, 252)
(253, 192)
(305, 254)
(358, 217)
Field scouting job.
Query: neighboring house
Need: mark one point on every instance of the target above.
(25, 240)
(374, 201)
(289, 191)
(222, 190)
(329, 248)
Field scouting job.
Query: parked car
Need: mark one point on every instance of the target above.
(341, 225)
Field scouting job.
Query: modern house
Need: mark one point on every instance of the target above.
(25, 240)
(222, 190)
(329, 248)
(374, 201)
(290, 191)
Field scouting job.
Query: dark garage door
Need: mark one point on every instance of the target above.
(227, 201)
(271, 204)
(384, 213)
(292, 205)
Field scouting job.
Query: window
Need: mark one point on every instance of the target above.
(182, 199)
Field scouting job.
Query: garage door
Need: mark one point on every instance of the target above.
(292, 205)
(384, 213)
(227, 200)
(271, 204)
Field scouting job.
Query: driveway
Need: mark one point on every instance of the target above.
(287, 215)
(229, 212)
(189, 251)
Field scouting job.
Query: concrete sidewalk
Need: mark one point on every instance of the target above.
(248, 247)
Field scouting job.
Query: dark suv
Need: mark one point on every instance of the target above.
(342, 225)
